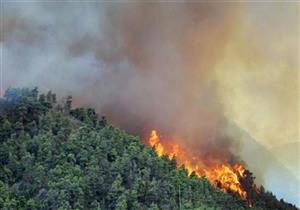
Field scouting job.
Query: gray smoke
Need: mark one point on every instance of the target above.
(147, 65)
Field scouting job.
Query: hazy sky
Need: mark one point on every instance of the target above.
(182, 68)
(251, 51)
(259, 73)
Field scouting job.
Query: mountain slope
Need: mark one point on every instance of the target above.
(55, 157)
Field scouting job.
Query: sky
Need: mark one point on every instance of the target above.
(184, 68)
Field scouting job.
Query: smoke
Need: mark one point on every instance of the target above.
(181, 68)
(143, 65)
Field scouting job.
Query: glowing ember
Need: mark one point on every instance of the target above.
(224, 176)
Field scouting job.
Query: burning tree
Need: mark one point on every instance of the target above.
(234, 179)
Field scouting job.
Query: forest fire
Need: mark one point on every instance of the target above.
(225, 176)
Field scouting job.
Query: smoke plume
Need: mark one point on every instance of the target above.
(143, 65)
(181, 68)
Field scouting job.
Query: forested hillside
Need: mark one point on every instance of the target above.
(56, 157)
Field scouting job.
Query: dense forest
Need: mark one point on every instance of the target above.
(53, 156)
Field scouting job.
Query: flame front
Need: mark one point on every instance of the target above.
(224, 176)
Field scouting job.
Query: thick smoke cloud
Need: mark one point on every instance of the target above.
(181, 68)
(143, 65)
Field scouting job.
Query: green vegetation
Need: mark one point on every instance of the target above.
(56, 157)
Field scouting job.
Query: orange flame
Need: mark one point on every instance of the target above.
(154, 141)
(224, 176)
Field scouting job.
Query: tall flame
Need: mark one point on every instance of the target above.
(224, 176)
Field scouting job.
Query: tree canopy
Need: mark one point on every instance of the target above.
(55, 157)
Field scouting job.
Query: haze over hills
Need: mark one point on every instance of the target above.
(267, 168)
(289, 155)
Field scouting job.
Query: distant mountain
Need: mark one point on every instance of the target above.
(289, 155)
(268, 169)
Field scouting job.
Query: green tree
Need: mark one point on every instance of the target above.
(54, 159)
(115, 193)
